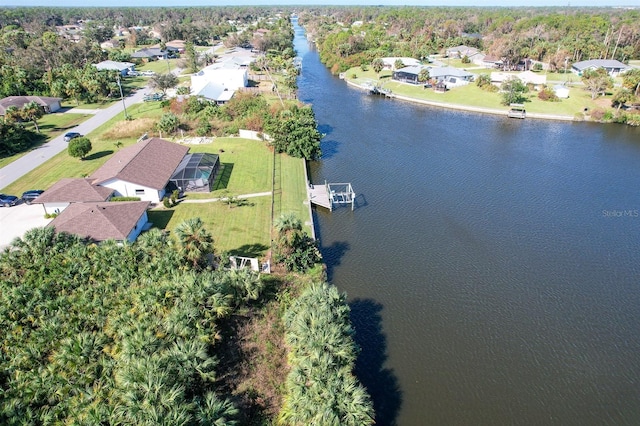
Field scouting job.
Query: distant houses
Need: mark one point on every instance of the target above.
(612, 66)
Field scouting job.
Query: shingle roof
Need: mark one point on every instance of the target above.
(20, 101)
(148, 163)
(100, 221)
(74, 190)
(148, 52)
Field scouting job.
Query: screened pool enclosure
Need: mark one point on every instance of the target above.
(196, 172)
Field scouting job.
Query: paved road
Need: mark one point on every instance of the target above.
(36, 157)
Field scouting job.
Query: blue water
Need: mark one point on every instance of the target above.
(491, 263)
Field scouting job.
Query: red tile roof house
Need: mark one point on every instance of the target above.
(69, 191)
(141, 170)
(120, 221)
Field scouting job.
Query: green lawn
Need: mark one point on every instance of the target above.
(241, 229)
(471, 95)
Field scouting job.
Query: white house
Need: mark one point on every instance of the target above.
(612, 66)
(122, 67)
(142, 170)
(215, 79)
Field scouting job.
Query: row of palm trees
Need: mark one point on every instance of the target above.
(321, 387)
(114, 334)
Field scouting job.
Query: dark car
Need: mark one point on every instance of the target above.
(71, 135)
(8, 200)
(32, 194)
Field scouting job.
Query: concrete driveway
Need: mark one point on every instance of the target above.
(16, 220)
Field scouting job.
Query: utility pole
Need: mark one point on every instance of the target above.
(124, 106)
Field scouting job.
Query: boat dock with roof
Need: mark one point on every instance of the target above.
(331, 194)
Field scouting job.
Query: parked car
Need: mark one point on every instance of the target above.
(147, 73)
(133, 73)
(71, 135)
(30, 195)
(8, 200)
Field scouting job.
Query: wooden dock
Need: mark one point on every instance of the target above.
(330, 194)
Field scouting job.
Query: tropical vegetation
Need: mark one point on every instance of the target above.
(321, 388)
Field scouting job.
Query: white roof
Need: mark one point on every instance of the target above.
(113, 65)
(406, 61)
(215, 92)
(435, 72)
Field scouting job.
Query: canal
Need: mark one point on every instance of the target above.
(491, 264)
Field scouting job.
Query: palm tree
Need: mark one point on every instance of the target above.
(195, 241)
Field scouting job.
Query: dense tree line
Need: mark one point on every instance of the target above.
(114, 334)
(321, 388)
(544, 34)
(15, 138)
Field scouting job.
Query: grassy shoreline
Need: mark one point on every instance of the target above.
(472, 98)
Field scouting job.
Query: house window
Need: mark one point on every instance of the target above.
(139, 191)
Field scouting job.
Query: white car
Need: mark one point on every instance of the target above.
(147, 73)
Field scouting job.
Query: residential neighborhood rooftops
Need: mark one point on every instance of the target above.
(74, 190)
(150, 162)
(101, 221)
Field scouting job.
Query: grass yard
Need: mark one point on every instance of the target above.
(243, 230)
(247, 166)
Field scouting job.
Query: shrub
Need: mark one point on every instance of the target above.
(537, 66)
(547, 94)
(166, 202)
(597, 114)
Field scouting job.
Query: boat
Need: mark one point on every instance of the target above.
(517, 111)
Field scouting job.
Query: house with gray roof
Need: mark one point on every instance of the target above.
(612, 66)
(48, 104)
(451, 76)
(153, 53)
(141, 170)
(69, 191)
(120, 221)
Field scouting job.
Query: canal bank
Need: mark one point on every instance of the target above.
(468, 108)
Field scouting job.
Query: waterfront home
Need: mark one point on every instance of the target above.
(612, 66)
(390, 62)
(141, 170)
(451, 76)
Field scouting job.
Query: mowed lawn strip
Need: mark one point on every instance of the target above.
(294, 189)
(243, 230)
